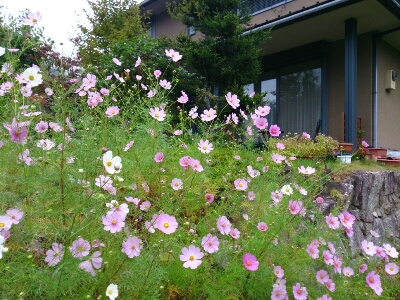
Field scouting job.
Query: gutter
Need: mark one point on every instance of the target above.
(301, 14)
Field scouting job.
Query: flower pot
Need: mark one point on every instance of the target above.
(344, 158)
(377, 151)
(348, 147)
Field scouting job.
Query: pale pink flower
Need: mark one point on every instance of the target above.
(210, 243)
(306, 171)
(240, 184)
(374, 282)
(274, 130)
(368, 247)
(262, 226)
(138, 61)
(116, 61)
(322, 276)
(250, 262)
(80, 248)
(261, 123)
(234, 233)
(205, 146)
(112, 111)
(152, 93)
(251, 196)
(374, 233)
(165, 84)
(280, 146)
(177, 184)
(178, 132)
(159, 157)
(45, 144)
(94, 262)
(89, 82)
(347, 219)
(113, 222)
(363, 268)
(145, 205)
(41, 127)
(328, 257)
(132, 246)
(364, 144)
(232, 100)
(313, 251)
(191, 256)
(276, 196)
(208, 115)
(15, 215)
(278, 271)
(129, 145)
(157, 113)
(196, 166)
(249, 130)
(337, 264)
(391, 251)
(348, 272)
(332, 221)
(392, 268)
(104, 92)
(223, 225)
(185, 162)
(263, 110)
(330, 285)
(306, 135)
(166, 223)
(279, 293)
(319, 200)
(174, 55)
(299, 292)
(48, 91)
(157, 73)
(54, 255)
(277, 158)
(184, 98)
(237, 157)
(252, 172)
(32, 19)
(324, 297)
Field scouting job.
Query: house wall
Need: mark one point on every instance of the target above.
(388, 101)
(336, 62)
(166, 26)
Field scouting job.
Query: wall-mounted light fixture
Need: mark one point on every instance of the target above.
(391, 77)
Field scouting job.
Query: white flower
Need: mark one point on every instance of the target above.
(112, 164)
(112, 291)
(287, 190)
(32, 76)
(2, 51)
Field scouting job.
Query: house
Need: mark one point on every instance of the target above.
(331, 65)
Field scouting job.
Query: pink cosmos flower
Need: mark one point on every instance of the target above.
(46, 144)
(392, 268)
(330, 285)
(138, 61)
(177, 184)
(274, 130)
(295, 207)
(210, 243)
(299, 292)
(112, 111)
(374, 282)
(122, 208)
(250, 262)
(331, 247)
(191, 256)
(209, 198)
(116, 61)
(252, 172)
(262, 226)
(165, 84)
(41, 127)
(347, 219)
(104, 92)
(196, 166)
(185, 162)
(278, 271)
(166, 223)
(363, 268)
(223, 225)
(279, 293)
(306, 171)
(313, 251)
(159, 157)
(129, 145)
(132, 246)
(54, 255)
(145, 205)
(184, 98)
(234, 233)
(337, 264)
(348, 272)
(276, 196)
(208, 115)
(368, 247)
(5, 223)
(240, 184)
(94, 262)
(15, 215)
(174, 55)
(391, 251)
(251, 196)
(319, 200)
(205, 146)
(232, 100)
(280, 146)
(157, 113)
(262, 110)
(249, 130)
(261, 123)
(374, 233)
(32, 19)
(113, 222)
(152, 93)
(306, 135)
(157, 73)
(80, 248)
(332, 221)
(364, 144)
(89, 82)
(324, 297)
(322, 276)
(17, 130)
(277, 158)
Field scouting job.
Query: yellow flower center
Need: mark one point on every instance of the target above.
(157, 115)
(34, 20)
(191, 257)
(114, 222)
(31, 77)
(2, 224)
(248, 263)
(110, 292)
(166, 225)
(133, 247)
(109, 163)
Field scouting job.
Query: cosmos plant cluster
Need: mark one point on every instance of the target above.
(88, 254)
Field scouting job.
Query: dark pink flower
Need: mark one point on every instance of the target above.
(17, 130)
(250, 262)
(159, 157)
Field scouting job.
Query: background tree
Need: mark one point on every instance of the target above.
(108, 22)
(223, 55)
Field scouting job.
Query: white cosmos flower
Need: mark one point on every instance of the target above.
(2, 51)
(112, 291)
(287, 190)
(112, 164)
(32, 76)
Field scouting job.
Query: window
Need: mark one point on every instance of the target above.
(152, 30)
(258, 6)
(191, 31)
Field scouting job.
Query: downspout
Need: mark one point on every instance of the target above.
(375, 39)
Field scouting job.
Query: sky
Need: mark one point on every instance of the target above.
(59, 18)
